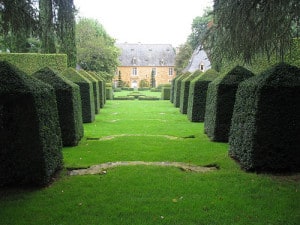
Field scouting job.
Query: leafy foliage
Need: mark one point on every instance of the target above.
(95, 48)
(220, 101)
(265, 129)
(182, 58)
(68, 105)
(197, 95)
(30, 136)
(244, 28)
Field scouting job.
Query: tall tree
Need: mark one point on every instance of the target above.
(66, 29)
(183, 57)
(46, 26)
(199, 29)
(18, 21)
(96, 49)
(244, 28)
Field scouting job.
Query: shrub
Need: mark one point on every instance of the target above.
(32, 62)
(68, 104)
(172, 89)
(177, 89)
(95, 89)
(109, 93)
(220, 101)
(117, 90)
(197, 95)
(86, 93)
(265, 130)
(101, 82)
(30, 137)
(166, 93)
(184, 92)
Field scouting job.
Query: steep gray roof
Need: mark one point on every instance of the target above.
(199, 57)
(146, 54)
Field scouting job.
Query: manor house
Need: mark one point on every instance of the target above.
(137, 61)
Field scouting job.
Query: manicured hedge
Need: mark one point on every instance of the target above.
(32, 62)
(68, 104)
(101, 83)
(86, 93)
(184, 92)
(109, 93)
(124, 98)
(148, 98)
(103, 77)
(265, 129)
(177, 89)
(30, 136)
(172, 89)
(220, 101)
(165, 93)
(197, 95)
(95, 89)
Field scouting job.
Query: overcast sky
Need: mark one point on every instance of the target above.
(145, 21)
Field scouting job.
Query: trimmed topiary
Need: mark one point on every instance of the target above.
(172, 89)
(184, 92)
(220, 101)
(68, 104)
(95, 89)
(30, 136)
(197, 95)
(86, 93)
(101, 83)
(265, 129)
(109, 91)
(166, 93)
(177, 89)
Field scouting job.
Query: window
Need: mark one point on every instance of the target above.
(134, 71)
(133, 61)
(154, 71)
(170, 71)
(202, 67)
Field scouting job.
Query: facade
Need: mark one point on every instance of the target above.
(198, 61)
(137, 61)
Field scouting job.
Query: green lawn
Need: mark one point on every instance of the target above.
(138, 195)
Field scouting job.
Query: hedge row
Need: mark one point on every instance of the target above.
(32, 62)
(220, 101)
(166, 93)
(101, 83)
(177, 89)
(197, 95)
(30, 136)
(184, 92)
(265, 130)
(86, 93)
(68, 104)
(95, 89)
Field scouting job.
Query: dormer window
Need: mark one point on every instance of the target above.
(133, 61)
(162, 62)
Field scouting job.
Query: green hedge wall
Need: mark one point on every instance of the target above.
(177, 89)
(101, 83)
(103, 76)
(172, 89)
(184, 92)
(32, 62)
(68, 104)
(166, 93)
(86, 93)
(220, 101)
(265, 130)
(30, 136)
(109, 93)
(95, 89)
(197, 95)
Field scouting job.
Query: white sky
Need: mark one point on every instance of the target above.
(145, 21)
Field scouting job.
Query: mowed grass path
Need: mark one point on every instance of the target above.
(139, 131)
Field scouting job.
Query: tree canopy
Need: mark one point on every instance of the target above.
(243, 29)
(95, 48)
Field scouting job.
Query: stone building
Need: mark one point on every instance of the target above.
(137, 61)
(198, 61)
